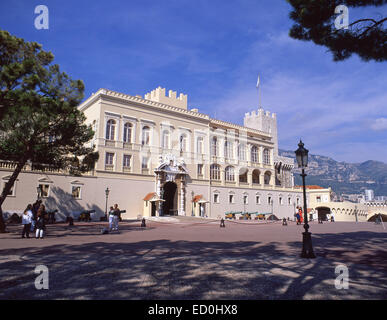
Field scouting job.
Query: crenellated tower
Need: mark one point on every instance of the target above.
(263, 121)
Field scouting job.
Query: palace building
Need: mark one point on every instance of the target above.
(157, 157)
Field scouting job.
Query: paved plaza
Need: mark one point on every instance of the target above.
(193, 258)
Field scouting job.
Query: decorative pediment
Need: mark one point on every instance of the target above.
(45, 180)
(170, 165)
(77, 182)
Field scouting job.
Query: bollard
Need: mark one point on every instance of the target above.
(222, 225)
(284, 222)
(143, 225)
(71, 221)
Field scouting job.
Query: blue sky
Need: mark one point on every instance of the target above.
(213, 51)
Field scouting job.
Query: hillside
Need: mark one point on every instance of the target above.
(344, 177)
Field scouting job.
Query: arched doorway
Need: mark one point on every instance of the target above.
(322, 213)
(170, 197)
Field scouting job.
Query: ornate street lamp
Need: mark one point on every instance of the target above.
(302, 160)
(192, 194)
(38, 191)
(107, 196)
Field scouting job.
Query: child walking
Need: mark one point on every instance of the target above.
(26, 221)
(40, 225)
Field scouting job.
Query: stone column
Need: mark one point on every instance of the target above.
(262, 180)
(182, 198)
(272, 179)
(158, 191)
(250, 178)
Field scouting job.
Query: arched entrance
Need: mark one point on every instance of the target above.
(322, 213)
(170, 197)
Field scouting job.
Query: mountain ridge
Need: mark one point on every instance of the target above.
(343, 177)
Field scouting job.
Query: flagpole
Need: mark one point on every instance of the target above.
(259, 92)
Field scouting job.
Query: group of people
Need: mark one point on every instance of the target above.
(33, 220)
(298, 215)
(114, 217)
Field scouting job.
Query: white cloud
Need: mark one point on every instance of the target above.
(379, 124)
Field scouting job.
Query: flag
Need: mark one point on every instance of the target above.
(258, 82)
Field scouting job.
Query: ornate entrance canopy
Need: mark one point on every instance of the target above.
(174, 170)
(171, 167)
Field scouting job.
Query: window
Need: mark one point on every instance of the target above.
(200, 169)
(214, 146)
(126, 161)
(109, 158)
(165, 140)
(243, 175)
(267, 177)
(257, 200)
(76, 192)
(255, 176)
(230, 175)
(231, 198)
(289, 201)
(318, 199)
(145, 140)
(183, 142)
(242, 152)
(200, 146)
(269, 200)
(145, 163)
(216, 198)
(110, 129)
(280, 201)
(266, 156)
(254, 154)
(298, 201)
(245, 199)
(215, 172)
(127, 132)
(228, 150)
(44, 190)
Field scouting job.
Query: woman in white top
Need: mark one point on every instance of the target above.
(26, 221)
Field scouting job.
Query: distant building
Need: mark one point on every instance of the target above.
(356, 198)
(369, 195)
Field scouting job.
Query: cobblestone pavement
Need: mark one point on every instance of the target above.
(195, 259)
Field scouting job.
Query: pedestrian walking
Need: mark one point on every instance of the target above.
(26, 221)
(40, 226)
(116, 215)
(35, 208)
(111, 218)
(40, 222)
(300, 214)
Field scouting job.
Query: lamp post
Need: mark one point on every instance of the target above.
(38, 192)
(192, 194)
(107, 195)
(302, 160)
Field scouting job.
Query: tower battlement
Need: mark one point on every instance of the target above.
(159, 95)
(260, 113)
(264, 121)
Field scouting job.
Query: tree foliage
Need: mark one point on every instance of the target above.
(39, 120)
(314, 21)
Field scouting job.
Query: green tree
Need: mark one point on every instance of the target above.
(314, 21)
(39, 122)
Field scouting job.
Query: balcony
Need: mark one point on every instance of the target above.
(126, 169)
(110, 143)
(109, 167)
(128, 146)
